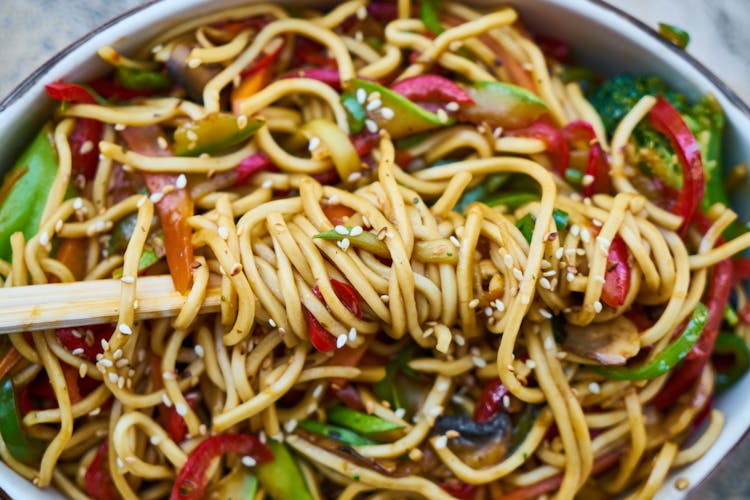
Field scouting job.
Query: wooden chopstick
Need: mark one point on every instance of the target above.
(39, 307)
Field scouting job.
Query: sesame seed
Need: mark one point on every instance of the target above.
(194, 63)
(499, 305)
(371, 126)
(341, 340)
(165, 399)
(559, 253)
(387, 113)
(127, 279)
(117, 354)
(575, 230)
(400, 412)
(597, 307)
(452, 106)
(455, 241)
(271, 323)
(374, 104)
(497, 132)
(241, 121)
(113, 377)
(344, 244)
(506, 401)
(544, 283)
(155, 440)
(545, 313)
(318, 391)
(58, 225)
(508, 260)
(223, 232)
(105, 363)
(333, 199)
(181, 181)
(199, 350)
(479, 362)
(181, 409)
(587, 180)
(441, 442)
(125, 329)
(442, 386)
(442, 115)
(597, 222)
(352, 334)
(517, 274)
(549, 273)
(119, 127)
(168, 375)
(156, 197)
(105, 344)
(44, 239)
(594, 388)
(248, 461)
(362, 13)
(361, 96)
(120, 463)
(341, 230)
(267, 184)
(473, 303)
(604, 243)
(290, 425)
(569, 277)
(488, 311)
(313, 144)
(121, 363)
(354, 177)
(549, 343)
(531, 364)
(585, 235)
(162, 143)
(77, 351)
(356, 231)
(460, 340)
(385, 297)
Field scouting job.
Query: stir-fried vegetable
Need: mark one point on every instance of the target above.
(19, 444)
(674, 34)
(212, 133)
(23, 195)
(281, 477)
(335, 432)
(731, 359)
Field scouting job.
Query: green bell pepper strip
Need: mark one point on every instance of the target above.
(18, 443)
(335, 432)
(365, 240)
(674, 34)
(574, 176)
(734, 345)
(665, 360)
(526, 223)
(214, 132)
(121, 234)
(524, 424)
(730, 316)
(511, 200)
(359, 422)
(430, 14)
(282, 478)
(355, 113)
(708, 132)
(141, 79)
(25, 189)
(387, 389)
(408, 117)
(240, 484)
(481, 191)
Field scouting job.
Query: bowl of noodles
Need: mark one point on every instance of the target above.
(371, 251)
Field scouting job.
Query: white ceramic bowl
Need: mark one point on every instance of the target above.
(601, 36)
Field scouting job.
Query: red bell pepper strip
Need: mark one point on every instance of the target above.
(327, 75)
(253, 164)
(307, 51)
(337, 214)
(320, 338)
(174, 208)
(192, 479)
(87, 338)
(175, 423)
(557, 147)
(70, 92)
(667, 120)
(348, 395)
(717, 299)
(263, 63)
(382, 11)
(597, 165)
(84, 147)
(431, 88)
(617, 277)
(97, 480)
(741, 271)
(553, 47)
(113, 91)
(490, 402)
(458, 489)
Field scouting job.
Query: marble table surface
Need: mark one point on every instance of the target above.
(33, 30)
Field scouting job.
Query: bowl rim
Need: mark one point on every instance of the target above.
(732, 97)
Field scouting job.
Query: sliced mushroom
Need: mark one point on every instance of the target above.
(478, 444)
(611, 342)
(193, 80)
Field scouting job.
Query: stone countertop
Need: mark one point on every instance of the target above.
(31, 31)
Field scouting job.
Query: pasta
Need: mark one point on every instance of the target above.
(445, 269)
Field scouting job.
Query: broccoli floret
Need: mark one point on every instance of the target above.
(652, 151)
